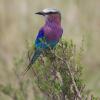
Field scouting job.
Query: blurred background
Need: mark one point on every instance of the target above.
(18, 23)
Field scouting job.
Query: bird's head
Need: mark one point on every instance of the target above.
(51, 15)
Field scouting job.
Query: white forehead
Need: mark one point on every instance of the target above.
(47, 10)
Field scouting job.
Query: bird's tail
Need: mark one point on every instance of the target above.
(32, 60)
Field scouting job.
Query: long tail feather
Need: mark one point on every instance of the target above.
(32, 60)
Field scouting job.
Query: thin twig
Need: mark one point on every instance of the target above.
(72, 77)
(71, 74)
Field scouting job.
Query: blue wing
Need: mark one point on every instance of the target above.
(39, 37)
(38, 51)
(40, 42)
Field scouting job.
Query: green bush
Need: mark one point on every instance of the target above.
(56, 75)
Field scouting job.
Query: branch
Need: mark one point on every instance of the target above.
(71, 75)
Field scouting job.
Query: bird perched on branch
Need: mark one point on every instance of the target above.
(49, 35)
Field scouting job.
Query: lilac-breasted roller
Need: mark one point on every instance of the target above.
(49, 35)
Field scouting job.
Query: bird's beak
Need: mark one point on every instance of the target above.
(40, 13)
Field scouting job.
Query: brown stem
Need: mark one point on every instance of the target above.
(71, 74)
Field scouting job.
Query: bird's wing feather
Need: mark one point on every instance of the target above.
(38, 44)
(40, 39)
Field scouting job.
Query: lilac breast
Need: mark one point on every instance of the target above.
(53, 33)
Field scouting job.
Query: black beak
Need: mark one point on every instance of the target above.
(40, 13)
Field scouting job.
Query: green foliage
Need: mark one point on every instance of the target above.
(56, 75)
(53, 75)
(6, 89)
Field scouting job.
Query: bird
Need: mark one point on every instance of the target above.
(49, 34)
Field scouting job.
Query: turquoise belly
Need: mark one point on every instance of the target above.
(48, 44)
